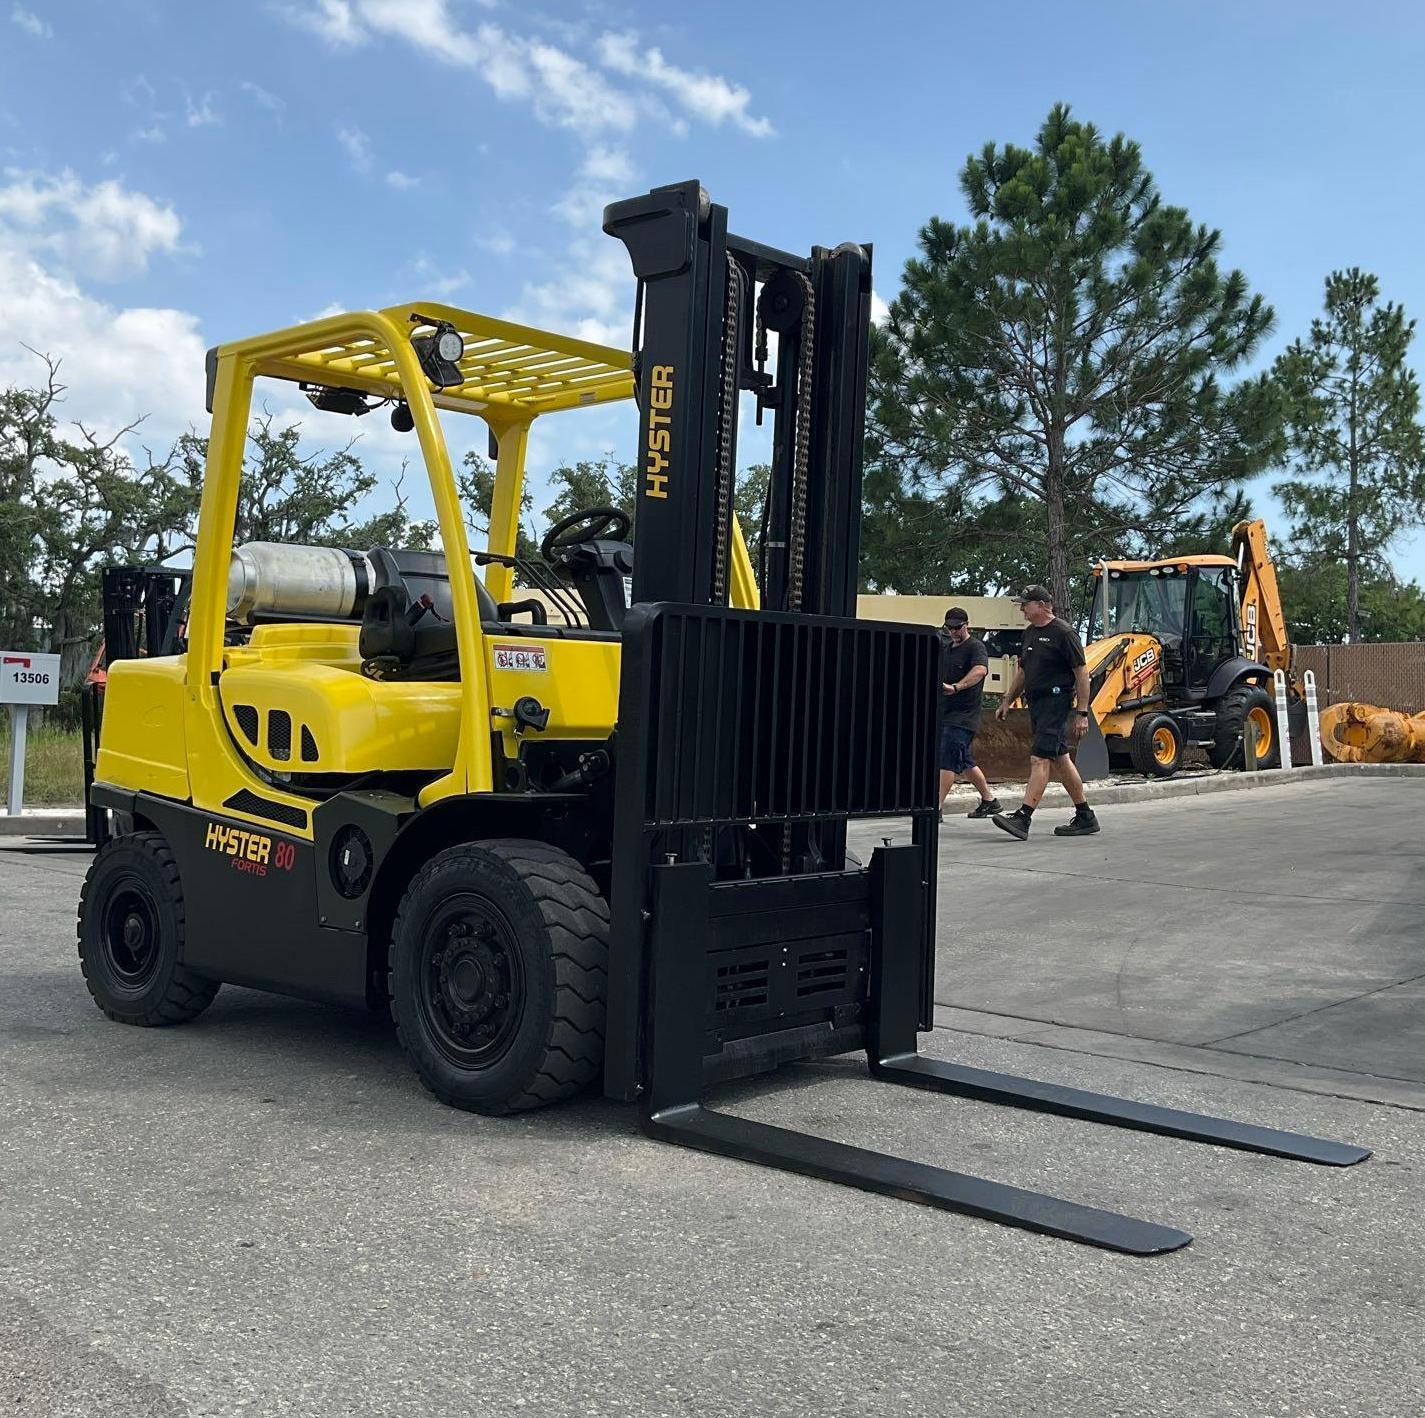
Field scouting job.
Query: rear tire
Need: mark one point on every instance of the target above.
(498, 971)
(131, 925)
(1233, 710)
(1156, 745)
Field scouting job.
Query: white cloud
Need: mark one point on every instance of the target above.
(496, 241)
(562, 90)
(264, 98)
(608, 165)
(331, 19)
(31, 23)
(431, 281)
(880, 311)
(357, 147)
(402, 181)
(103, 230)
(709, 97)
(591, 298)
(201, 114)
(606, 175)
(152, 133)
(119, 364)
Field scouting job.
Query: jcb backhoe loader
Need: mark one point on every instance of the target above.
(611, 850)
(1183, 650)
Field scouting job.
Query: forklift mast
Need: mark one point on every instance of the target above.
(744, 935)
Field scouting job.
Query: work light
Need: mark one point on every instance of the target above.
(440, 353)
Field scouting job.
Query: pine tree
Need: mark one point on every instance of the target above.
(1065, 351)
(1352, 418)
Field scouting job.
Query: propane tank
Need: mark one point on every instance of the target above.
(274, 579)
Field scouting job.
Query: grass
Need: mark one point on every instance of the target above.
(54, 766)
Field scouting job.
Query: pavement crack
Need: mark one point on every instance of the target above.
(1307, 1013)
(1207, 1072)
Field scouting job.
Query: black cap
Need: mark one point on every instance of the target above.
(957, 615)
(1036, 593)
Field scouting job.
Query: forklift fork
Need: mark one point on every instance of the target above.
(673, 1112)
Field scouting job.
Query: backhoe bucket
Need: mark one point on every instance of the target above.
(1002, 749)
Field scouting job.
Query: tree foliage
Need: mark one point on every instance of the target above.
(76, 502)
(1314, 595)
(1353, 419)
(1065, 351)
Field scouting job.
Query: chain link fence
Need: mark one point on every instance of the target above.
(1390, 675)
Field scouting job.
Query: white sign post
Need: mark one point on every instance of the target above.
(26, 677)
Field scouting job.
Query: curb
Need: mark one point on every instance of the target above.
(1220, 782)
(43, 822)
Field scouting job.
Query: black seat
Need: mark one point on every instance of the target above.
(408, 626)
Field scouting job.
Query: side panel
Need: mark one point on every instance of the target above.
(252, 912)
(141, 740)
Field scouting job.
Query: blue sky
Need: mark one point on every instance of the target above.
(177, 174)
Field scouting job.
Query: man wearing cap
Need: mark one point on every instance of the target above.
(964, 664)
(1055, 683)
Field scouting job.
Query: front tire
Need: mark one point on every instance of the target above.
(131, 924)
(1156, 745)
(498, 968)
(1234, 709)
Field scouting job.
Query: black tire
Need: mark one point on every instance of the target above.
(1156, 745)
(131, 924)
(1232, 710)
(498, 972)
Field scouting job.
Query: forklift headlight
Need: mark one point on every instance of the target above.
(440, 353)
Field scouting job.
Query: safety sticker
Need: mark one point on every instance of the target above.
(521, 657)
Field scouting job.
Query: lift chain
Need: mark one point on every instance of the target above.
(726, 422)
(796, 552)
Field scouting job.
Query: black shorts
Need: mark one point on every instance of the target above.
(1049, 718)
(956, 754)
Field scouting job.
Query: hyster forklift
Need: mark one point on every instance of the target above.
(1183, 651)
(609, 850)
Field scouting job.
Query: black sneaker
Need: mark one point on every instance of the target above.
(986, 809)
(1082, 824)
(1015, 823)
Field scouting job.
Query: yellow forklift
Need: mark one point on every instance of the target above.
(610, 850)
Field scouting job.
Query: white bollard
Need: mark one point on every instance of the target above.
(1283, 717)
(19, 723)
(1313, 718)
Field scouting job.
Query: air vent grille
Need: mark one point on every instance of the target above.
(309, 746)
(279, 734)
(246, 716)
(246, 801)
(821, 972)
(741, 985)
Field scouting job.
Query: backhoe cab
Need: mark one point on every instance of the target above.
(1183, 651)
(610, 848)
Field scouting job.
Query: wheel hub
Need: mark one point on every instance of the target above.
(130, 935)
(471, 985)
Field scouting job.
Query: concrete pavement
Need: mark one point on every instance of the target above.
(262, 1212)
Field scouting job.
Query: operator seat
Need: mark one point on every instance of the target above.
(408, 625)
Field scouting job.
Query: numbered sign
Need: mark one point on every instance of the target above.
(27, 677)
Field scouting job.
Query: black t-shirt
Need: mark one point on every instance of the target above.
(1049, 656)
(962, 710)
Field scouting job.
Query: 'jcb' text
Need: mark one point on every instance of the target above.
(660, 434)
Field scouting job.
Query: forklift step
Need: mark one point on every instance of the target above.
(692, 1125)
(917, 1071)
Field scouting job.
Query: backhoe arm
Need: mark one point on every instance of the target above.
(1263, 620)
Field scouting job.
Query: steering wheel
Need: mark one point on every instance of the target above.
(590, 525)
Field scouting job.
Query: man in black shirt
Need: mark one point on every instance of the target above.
(963, 667)
(1055, 683)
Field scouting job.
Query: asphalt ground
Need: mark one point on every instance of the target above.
(262, 1212)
